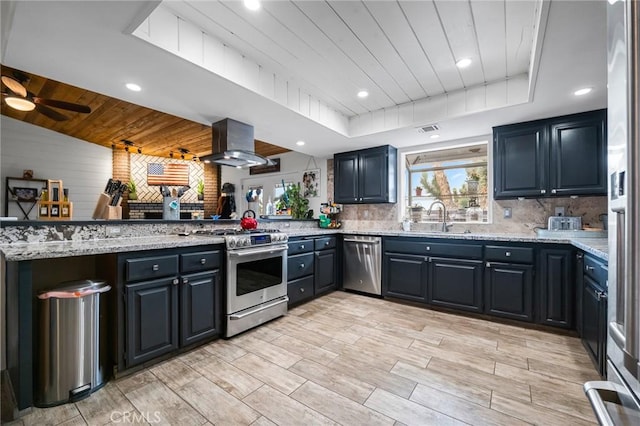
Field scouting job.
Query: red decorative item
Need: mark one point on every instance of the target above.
(248, 220)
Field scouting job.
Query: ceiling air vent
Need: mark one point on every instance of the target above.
(428, 128)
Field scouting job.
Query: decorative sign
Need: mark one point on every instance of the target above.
(311, 183)
(168, 174)
(258, 170)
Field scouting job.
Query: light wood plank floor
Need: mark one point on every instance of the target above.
(354, 360)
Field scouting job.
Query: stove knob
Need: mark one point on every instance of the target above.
(244, 242)
(231, 242)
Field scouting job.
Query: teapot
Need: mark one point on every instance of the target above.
(248, 220)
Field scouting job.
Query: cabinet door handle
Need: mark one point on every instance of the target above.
(355, 199)
(185, 281)
(155, 268)
(589, 268)
(203, 261)
(579, 256)
(175, 281)
(301, 289)
(543, 191)
(507, 254)
(488, 265)
(553, 191)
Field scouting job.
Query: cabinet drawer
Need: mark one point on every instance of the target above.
(299, 266)
(300, 289)
(509, 254)
(325, 243)
(465, 251)
(200, 261)
(595, 268)
(300, 246)
(151, 267)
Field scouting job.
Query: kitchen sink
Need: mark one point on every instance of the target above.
(578, 233)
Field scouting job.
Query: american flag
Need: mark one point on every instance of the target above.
(167, 174)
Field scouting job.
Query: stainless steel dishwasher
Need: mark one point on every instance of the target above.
(362, 266)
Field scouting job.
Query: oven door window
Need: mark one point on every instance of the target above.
(258, 275)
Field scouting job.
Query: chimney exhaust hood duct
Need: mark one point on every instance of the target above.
(233, 145)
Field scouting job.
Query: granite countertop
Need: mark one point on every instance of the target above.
(30, 251)
(55, 249)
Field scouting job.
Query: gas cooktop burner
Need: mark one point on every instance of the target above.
(232, 231)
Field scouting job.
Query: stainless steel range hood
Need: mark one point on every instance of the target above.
(233, 145)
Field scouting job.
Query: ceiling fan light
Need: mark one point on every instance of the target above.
(14, 86)
(21, 104)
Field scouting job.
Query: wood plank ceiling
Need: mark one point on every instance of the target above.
(112, 120)
(399, 51)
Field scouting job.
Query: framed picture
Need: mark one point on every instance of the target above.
(25, 194)
(311, 183)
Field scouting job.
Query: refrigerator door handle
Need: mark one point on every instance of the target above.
(600, 392)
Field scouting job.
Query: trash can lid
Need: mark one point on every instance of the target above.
(73, 289)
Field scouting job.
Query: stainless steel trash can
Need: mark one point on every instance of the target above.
(71, 363)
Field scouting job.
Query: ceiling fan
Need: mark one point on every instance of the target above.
(18, 97)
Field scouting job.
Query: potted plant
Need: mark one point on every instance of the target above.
(131, 186)
(418, 191)
(297, 203)
(200, 190)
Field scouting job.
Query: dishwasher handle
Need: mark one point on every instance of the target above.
(371, 242)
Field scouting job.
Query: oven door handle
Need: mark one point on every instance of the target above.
(247, 252)
(259, 308)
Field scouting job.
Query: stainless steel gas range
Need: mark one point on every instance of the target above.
(256, 277)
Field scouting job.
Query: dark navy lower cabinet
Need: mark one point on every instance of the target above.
(555, 281)
(406, 276)
(455, 283)
(199, 307)
(151, 319)
(325, 271)
(509, 290)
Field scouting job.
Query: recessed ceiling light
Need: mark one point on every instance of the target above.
(463, 63)
(583, 91)
(434, 136)
(363, 94)
(252, 4)
(133, 87)
(300, 143)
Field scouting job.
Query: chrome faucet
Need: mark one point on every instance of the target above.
(444, 214)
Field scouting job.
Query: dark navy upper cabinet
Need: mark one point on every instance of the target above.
(520, 160)
(579, 155)
(561, 156)
(366, 176)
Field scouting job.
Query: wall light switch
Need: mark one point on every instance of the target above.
(559, 211)
(507, 213)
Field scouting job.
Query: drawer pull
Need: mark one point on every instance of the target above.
(175, 281)
(301, 265)
(301, 289)
(553, 191)
(203, 261)
(185, 281)
(543, 191)
(488, 265)
(428, 248)
(155, 268)
(507, 253)
(589, 268)
(301, 246)
(326, 243)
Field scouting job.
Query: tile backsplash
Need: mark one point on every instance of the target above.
(526, 215)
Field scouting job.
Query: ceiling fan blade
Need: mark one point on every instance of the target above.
(51, 113)
(14, 85)
(62, 104)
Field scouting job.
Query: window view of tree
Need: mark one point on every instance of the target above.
(457, 177)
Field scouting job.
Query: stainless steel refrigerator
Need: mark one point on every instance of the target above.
(617, 400)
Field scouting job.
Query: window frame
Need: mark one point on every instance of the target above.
(404, 186)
